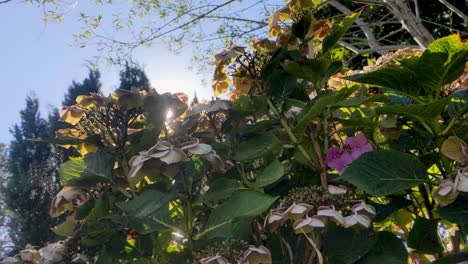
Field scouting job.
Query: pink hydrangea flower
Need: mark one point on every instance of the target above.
(338, 159)
(359, 145)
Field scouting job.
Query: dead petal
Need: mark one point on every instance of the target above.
(355, 219)
(254, 255)
(362, 206)
(190, 144)
(330, 211)
(159, 154)
(297, 211)
(214, 260)
(200, 149)
(173, 156)
(462, 180)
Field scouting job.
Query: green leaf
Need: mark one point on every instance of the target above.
(256, 147)
(456, 212)
(83, 211)
(316, 106)
(429, 111)
(243, 203)
(96, 233)
(396, 78)
(312, 110)
(442, 62)
(353, 101)
(459, 103)
(423, 237)
(220, 189)
(145, 204)
(65, 229)
(311, 70)
(101, 208)
(347, 245)
(385, 210)
(259, 127)
(301, 28)
(388, 249)
(94, 167)
(269, 175)
(452, 258)
(385, 172)
(281, 83)
(338, 32)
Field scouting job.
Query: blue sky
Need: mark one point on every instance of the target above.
(40, 59)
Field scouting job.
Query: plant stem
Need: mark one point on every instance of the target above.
(319, 254)
(427, 202)
(291, 135)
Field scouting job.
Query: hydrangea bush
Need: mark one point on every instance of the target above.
(303, 161)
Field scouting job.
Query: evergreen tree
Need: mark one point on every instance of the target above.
(32, 178)
(5, 213)
(90, 84)
(133, 76)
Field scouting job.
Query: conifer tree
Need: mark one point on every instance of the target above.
(90, 84)
(32, 182)
(133, 76)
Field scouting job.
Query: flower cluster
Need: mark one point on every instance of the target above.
(169, 153)
(448, 189)
(340, 158)
(66, 199)
(51, 253)
(308, 216)
(233, 251)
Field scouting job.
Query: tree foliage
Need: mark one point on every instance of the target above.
(90, 84)
(133, 76)
(31, 182)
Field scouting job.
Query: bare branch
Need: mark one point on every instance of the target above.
(403, 13)
(373, 43)
(238, 19)
(454, 9)
(5, 1)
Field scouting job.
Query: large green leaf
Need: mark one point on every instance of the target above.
(459, 103)
(313, 109)
(242, 204)
(385, 210)
(220, 189)
(269, 175)
(385, 172)
(442, 62)
(346, 245)
(145, 204)
(94, 167)
(388, 249)
(456, 212)
(256, 147)
(338, 32)
(428, 111)
(311, 70)
(396, 78)
(65, 229)
(281, 83)
(423, 237)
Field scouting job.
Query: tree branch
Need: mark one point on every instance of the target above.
(454, 9)
(373, 43)
(5, 1)
(403, 13)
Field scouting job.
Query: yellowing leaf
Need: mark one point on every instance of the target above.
(85, 148)
(71, 114)
(452, 148)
